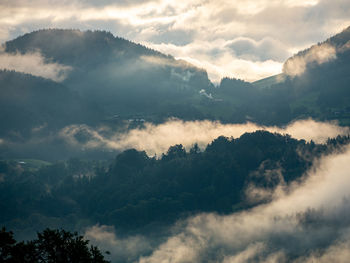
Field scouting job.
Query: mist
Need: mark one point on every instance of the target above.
(306, 222)
(34, 64)
(156, 139)
(122, 249)
(320, 54)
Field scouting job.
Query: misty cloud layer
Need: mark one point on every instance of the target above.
(308, 222)
(127, 248)
(156, 139)
(211, 57)
(209, 34)
(34, 64)
(319, 54)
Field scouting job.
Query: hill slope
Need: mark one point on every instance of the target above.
(315, 84)
(113, 81)
(28, 102)
(121, 76)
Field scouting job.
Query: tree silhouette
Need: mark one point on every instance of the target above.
(51, 246)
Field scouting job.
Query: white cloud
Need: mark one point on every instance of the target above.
(276, 231)
(265, 49)
(35, 64)
(121, 249)
(339, 253)
(219, 60)
(201, 25)
(236, 68)
(319, 54)
(156, 139)
(308, 222)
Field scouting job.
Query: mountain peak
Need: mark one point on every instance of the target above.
(318, 54)
(79, 49)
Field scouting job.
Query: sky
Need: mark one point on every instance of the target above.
(245, 39)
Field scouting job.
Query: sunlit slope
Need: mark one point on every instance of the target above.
(269, 81)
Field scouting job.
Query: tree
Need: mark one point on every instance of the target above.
(7, 242)
(176, 151)
(195, 149)
(51, 246)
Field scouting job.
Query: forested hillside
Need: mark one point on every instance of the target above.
(121, 77)
(112, 83)
(29, 104)
(135, 191)
(315, 82)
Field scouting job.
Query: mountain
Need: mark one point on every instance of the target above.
(117, 84)
(28, 103)
(110, 81)
(333, 49)
(269, 81)
(135, 191)
(122, 77)
(233, 198)
(126, 79)
(322, 86)
(314, 83)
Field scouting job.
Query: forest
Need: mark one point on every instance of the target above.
(136, 192)
(50, 246)
(129, 147)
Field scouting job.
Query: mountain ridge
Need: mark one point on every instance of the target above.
(114, 82)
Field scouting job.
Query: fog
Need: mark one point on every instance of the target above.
(126, 249)
(34, 64)
(307, 222)
(156, 139)
(319, 54)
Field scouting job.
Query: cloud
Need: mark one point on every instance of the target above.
(265, 49)
(308, 223)
(339, 252)
(273, 176)
(204, 93)
(249, 254)
(211, 56)
(113, 2)
(163, 61)
(235, 68)
(121, 249)
(259, 31)
(185, 76)
(35, 64)
(156, 139)
(319, 54)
